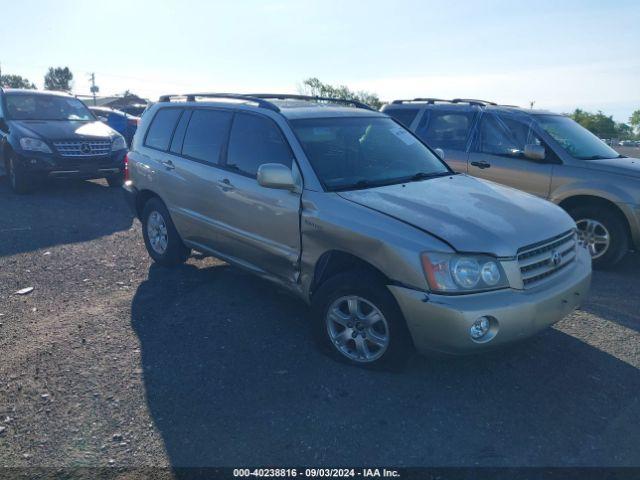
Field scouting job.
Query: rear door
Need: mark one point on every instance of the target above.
(449, 130)
(261, 225)
(497, 154)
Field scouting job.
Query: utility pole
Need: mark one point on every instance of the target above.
(94, 88)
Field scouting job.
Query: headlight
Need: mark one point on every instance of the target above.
(34, 145)
(459, 273)
(118, 144)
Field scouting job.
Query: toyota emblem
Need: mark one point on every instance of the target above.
(85, 148)
(556, 258)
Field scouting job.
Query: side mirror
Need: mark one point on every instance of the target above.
(440, 153)
(534, 152)
(276, 175)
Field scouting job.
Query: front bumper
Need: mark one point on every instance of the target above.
(57, 166)
(442, 322)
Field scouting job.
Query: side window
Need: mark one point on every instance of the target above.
(502, 135)
(161, 129)
(178, 135)
(256, 140)
(206, 134)
(403, 115)
(445, 129)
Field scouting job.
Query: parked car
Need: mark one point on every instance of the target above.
(350, 211)
(49, 134)
(542, 153)
(136, 109)
(123, 123)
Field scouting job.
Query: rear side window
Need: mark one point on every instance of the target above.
(403, 115)
(206, 134)
(256, 140)
(161, 129)
(446, 129)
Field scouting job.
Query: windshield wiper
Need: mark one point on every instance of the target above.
(424, 176)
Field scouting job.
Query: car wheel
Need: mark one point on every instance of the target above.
(360, 322)
(20, 180)
(115, 181)
(160, 235)
(604, 233)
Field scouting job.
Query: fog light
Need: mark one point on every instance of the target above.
(480, 328)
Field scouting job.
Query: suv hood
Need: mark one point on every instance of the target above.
(622, 166)
(471, 215)
(63, 130)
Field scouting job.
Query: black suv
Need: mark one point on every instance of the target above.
(52, 134)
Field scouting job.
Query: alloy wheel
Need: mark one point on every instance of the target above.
(357, 329)
(157, 232)
(594, 235)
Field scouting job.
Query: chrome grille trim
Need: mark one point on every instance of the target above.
(536, 261)
(78, 148)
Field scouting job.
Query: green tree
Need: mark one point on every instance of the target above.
(314, 87)
(58, 78)
(15, 81)
(597, 123)
(634, 121)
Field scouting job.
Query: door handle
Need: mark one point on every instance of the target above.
(225, 184)
(482, 165)
(168, 164)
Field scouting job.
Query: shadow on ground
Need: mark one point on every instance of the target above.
(59, 213)
(233, 378)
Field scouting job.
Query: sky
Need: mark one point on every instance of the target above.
(562, 54)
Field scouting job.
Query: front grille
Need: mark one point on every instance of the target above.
(543, 260)
(87, 148)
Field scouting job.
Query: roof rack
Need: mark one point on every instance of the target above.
(286, 96)
(191, 97)
(470, 101)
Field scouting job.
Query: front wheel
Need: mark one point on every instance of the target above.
(160, 235)
(604, 233)
(116, 180)
(19, 179)
(360, 322)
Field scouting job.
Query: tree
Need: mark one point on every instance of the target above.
(15, 81)
(634, 121)
(314, 87)
(58, 78)
(597, 123)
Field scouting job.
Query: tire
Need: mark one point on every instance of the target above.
(20, 180)
(116, 180)
(165, 246)
(337, 338)
(602, 222)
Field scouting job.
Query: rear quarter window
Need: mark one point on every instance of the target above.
(161, 129)
(403, 115)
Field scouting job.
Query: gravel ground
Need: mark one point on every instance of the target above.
(111, 360)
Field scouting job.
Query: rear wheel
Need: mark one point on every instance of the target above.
(160, 235)
(360, 322)
(19, 178)
(604, 233)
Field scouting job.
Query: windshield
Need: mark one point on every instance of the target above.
(362, 152)
(575, 139)
(46, 107)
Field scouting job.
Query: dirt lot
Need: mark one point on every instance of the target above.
(111, 360)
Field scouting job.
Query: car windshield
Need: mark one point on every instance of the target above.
(46, 107)
(362, 152)
(576, 140)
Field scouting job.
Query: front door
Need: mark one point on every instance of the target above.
(497, 154)
(262, 225)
